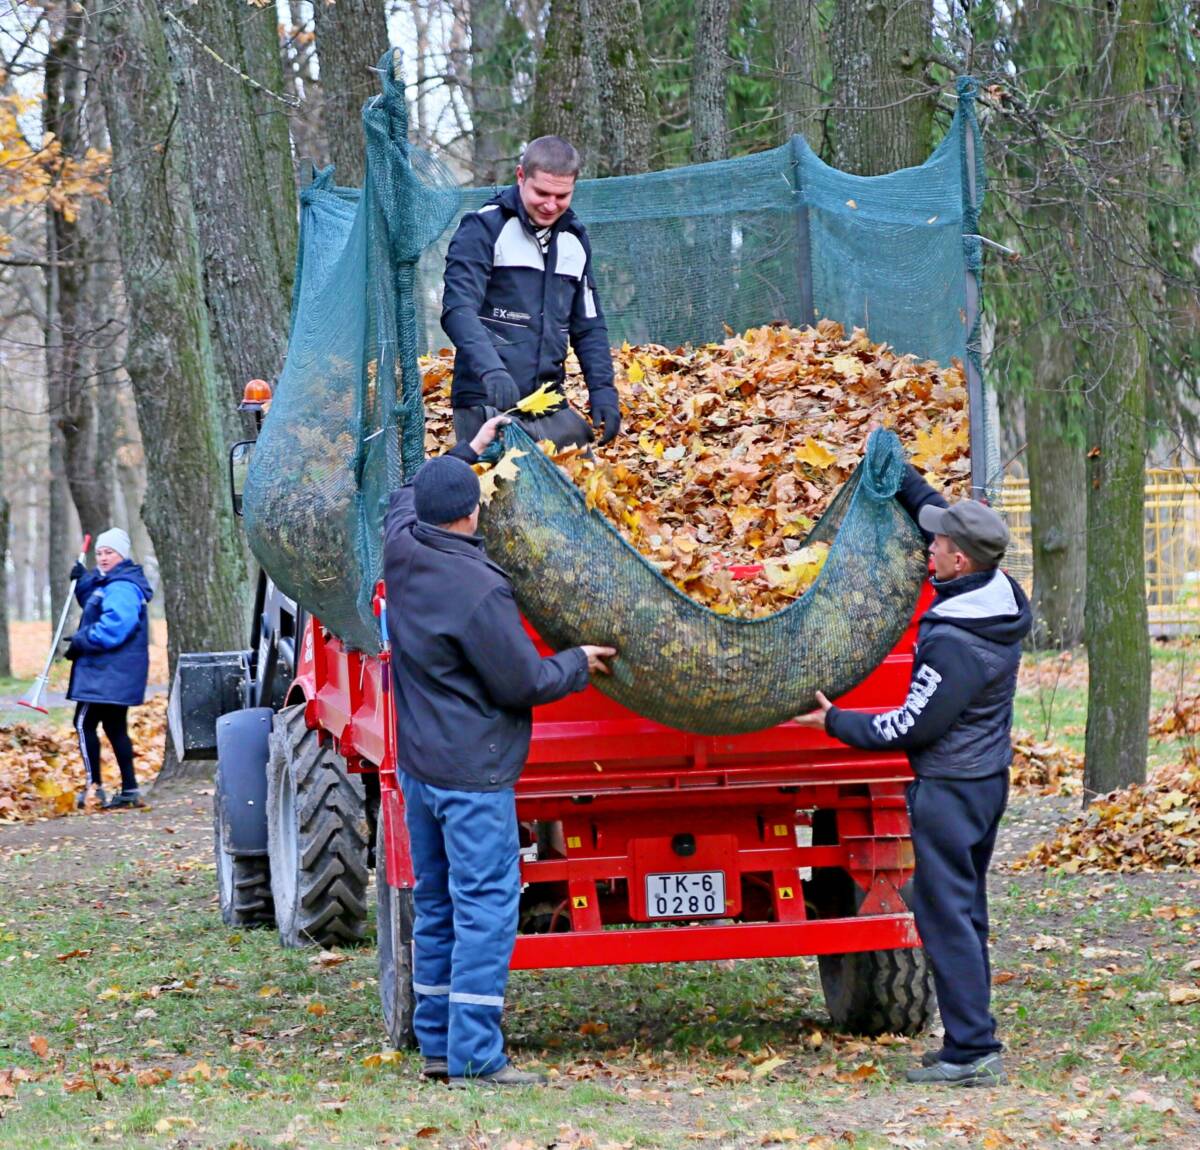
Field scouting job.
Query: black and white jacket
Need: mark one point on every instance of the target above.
(510, 307)
(956, 722)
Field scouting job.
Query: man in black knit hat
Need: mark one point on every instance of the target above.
(466, 677)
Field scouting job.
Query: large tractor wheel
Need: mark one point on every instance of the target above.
(317, 837)
(393, 928)
(243, 882)
(868, 992)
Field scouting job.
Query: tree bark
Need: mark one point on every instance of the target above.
(564, 99)
(169, 357)
(621, 65)
(1058, 518)
(243, 186)
(493, 130)
(798, 49)
(710, 52)
(593, 85)
(1116, 620)
(351, 37)
(882, 113)
(71, 398)
(5, 646)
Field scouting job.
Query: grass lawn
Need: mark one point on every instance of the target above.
(130, 1017)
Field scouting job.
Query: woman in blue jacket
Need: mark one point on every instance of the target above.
(111, 660)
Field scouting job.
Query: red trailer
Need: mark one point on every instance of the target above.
(776, 843)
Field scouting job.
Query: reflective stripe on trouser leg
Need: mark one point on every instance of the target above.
(433, 921)
(480, 835)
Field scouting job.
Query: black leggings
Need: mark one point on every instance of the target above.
(88, 716)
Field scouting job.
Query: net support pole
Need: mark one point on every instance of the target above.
(976, 397)
(804, 278)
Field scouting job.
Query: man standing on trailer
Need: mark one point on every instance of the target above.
(466, 677)
(519, 287)
(956, 725)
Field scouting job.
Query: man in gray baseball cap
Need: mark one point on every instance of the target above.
(956, 726)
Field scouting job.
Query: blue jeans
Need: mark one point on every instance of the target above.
(468, 882)
(954, 825)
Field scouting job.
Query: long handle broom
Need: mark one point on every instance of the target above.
(32, 698)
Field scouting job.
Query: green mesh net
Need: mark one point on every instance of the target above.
(678, 256)
(679, 663)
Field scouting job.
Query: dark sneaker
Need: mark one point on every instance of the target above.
(124, 800)
(987, 1071)
(435, 1070)
(931, 1057)
(506, 1076)
(81, 798)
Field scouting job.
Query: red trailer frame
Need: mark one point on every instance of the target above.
(643, 806)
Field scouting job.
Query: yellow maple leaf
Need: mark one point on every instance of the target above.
(937, 446)
(798, 572)
(546, 398)
(815, 454)
(847, 365)
(636, 372)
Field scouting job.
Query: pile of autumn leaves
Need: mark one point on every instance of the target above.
(1150, 826)
(730, 452)
(41, 769)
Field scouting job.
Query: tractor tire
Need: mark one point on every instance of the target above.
(866, 992)
(316, 837)
(393, 931)
(243, 882)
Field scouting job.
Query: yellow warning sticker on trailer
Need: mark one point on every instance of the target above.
(785, 892)
(574, 842)
(579, 902)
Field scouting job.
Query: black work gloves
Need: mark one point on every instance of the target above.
(606, 413)
(502, 393)
(78, 572)
(70, 650)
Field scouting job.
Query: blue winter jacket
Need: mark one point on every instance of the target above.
(111, 648)
(510, 308)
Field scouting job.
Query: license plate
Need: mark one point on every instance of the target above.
(685, 894)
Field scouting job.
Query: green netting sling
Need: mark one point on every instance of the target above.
(679, 663)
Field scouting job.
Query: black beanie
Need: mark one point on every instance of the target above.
(445, 489)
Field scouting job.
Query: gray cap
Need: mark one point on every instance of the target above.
(977, 531)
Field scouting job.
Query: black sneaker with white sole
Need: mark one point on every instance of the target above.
(124, 801)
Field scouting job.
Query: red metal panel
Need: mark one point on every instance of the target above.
(656, 855)
(702, 943)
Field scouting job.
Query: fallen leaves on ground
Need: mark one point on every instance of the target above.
(41, 769)
(1181, 716)
(1046, 767)
(1150, 826)
(730, 452)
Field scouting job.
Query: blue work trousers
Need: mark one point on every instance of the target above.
(954, 825)
(468, 882)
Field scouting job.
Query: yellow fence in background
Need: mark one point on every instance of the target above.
(1172, 544)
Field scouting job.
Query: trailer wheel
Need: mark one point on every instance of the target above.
(393, 929)
(243, 882)
(868, 992)
(316, 836)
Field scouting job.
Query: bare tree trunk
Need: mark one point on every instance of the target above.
(243, 186)
(351, 36)
(1058, 519)
(593, 85)
(621, 65)
(169, 357)
(710, 52)
(492, 112)
(882, 114)
(71, 399)
(1116, 622)
(798, 50)
(5, 646)
(564, 100)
